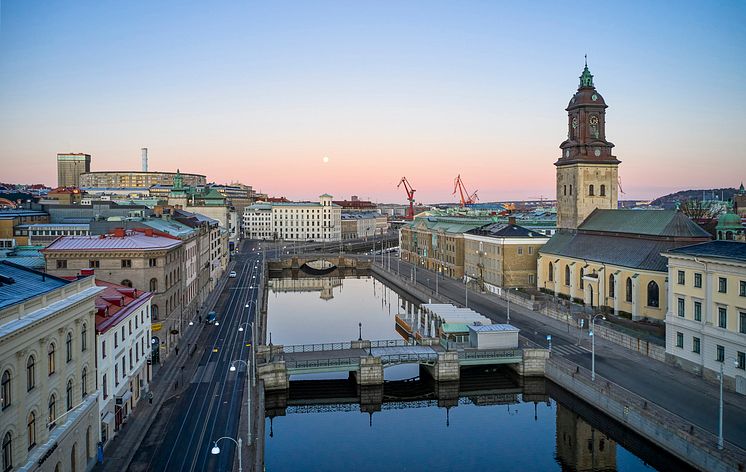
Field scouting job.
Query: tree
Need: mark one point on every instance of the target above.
(699, 210)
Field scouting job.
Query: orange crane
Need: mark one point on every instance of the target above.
(466, 197)
(410, 197)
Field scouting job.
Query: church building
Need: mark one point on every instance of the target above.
(604, 257)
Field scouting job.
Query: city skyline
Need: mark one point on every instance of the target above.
(331, 97)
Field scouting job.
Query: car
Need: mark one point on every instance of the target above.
(212, 318)
(232, 275)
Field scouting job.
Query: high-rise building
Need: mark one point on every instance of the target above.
(586, 171)
(69, 168)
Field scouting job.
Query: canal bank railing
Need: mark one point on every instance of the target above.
(489, 356)
(691, 443)
(343, 346)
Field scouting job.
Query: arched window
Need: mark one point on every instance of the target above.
(551, 272)
(570, 189)
(31, 430)
(7, 452)
(126, 283)
(580, 279)
(567, 275)
(50, 358)
(602, 190)
(69, 347)
(88, 449)
(7, 390)
(611, 286)
(69, 397)
(52, 411)
(84, 382)
(73, 453)
(653, 294)
(84, 338)
(154, 312)
(628, 290)
(565, 189)
(729, 235)
(590, 190)
(30, 373)
(153, 284)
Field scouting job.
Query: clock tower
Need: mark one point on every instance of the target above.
(586, 171)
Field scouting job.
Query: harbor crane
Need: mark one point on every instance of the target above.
(466, 197)
(410, 197)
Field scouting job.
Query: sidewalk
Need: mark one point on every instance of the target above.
(120, 450)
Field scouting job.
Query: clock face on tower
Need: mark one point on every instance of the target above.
(594, 120)
(574, 122)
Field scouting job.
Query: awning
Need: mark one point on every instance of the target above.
(108, 418)
(124, 398)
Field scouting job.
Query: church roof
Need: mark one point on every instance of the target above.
(661, 223)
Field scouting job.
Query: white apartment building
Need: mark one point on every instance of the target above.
(123, 327)
(294, 221)
(48, 401)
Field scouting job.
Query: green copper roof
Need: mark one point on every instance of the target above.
(729, 220)
(741, 190)
(586, 78)
(664, 223)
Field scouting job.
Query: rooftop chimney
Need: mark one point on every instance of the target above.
(144, 159)
(119, 232)
(511, 220)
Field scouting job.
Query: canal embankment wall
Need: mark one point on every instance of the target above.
(691, 443)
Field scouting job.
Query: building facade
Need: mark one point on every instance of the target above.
(14, 226)
(135, 179)
(123, 346)
(42, 234)
(146, 260)
(70, 167)
(498, 256)
(294, 221)
(706, 319)
(48, 369)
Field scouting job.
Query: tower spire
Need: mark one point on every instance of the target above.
(586, 78)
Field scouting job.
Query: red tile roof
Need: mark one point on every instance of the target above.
(115, 303)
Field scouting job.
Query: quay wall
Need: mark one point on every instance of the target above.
(689, 442)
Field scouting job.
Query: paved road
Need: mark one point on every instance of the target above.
(183, 433)
(684, 394)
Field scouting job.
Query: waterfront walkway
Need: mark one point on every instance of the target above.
(684, 394)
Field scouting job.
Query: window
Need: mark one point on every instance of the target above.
(580, 279)
(69, 397)
(105, 387)
(530, 250)
(83, 338)
(61, 264)
(741, 360)
(126, 283)
(551, 272)
(653, 294)
(531, 279)
(722, 285)
(52, 411)
(602, 190)
(7, 390)
(69, 347)
(31, 430)
(152, 262)
(697, 311)
(154, 312)
(124, 370)
(720, 353)
(7, 452)
(570, 189)
(103, 348)
(695, 345)
(567, 275)
(679, 339)
(565, 189)
(50, 358)
(84, 383)
(628, 290)
(116, 375)
(122, 333)
(742, 288)
(520, 250)
(611, 286)
(153, 284)
(94, 264)
(682, 277)
(590, 190)
(30, 373)
(742, 323)
(116, 340)
(681, 307)
(126, 263)
(130, 327)
(698, 280)
(722, 317)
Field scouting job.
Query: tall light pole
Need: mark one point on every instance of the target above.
(592, 334)
(720, 416)
(248, 402)
(216, 450)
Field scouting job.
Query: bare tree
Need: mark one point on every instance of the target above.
(699, 210)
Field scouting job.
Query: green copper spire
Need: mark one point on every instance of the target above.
(178, 181)
(741, 190)
(586, 78)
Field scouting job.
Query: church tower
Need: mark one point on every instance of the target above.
(586, 171)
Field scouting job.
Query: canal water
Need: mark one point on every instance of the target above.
(490, 423)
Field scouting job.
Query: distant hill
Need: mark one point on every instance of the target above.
(670, 200)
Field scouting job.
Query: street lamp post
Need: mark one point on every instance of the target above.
(248, 402)
(592, 334)
(216, 450)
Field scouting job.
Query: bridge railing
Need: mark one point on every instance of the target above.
(317, 347)
(392, 343)
(323, 363)
(489, 354)
(412, 358)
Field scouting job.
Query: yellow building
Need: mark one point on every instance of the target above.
(706, 320)
(613, 260)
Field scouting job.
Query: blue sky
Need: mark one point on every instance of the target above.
(261, 91)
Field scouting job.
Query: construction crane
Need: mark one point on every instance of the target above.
(466, 197)
(410, 197)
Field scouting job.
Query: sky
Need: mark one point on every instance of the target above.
(262, 92)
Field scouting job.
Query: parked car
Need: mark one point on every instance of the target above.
(232, 274)
(212, 318)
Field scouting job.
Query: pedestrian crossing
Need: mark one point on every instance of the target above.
(569, 350)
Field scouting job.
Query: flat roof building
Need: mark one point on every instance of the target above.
(69, 168)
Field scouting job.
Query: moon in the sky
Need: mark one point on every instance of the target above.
(325, 159)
